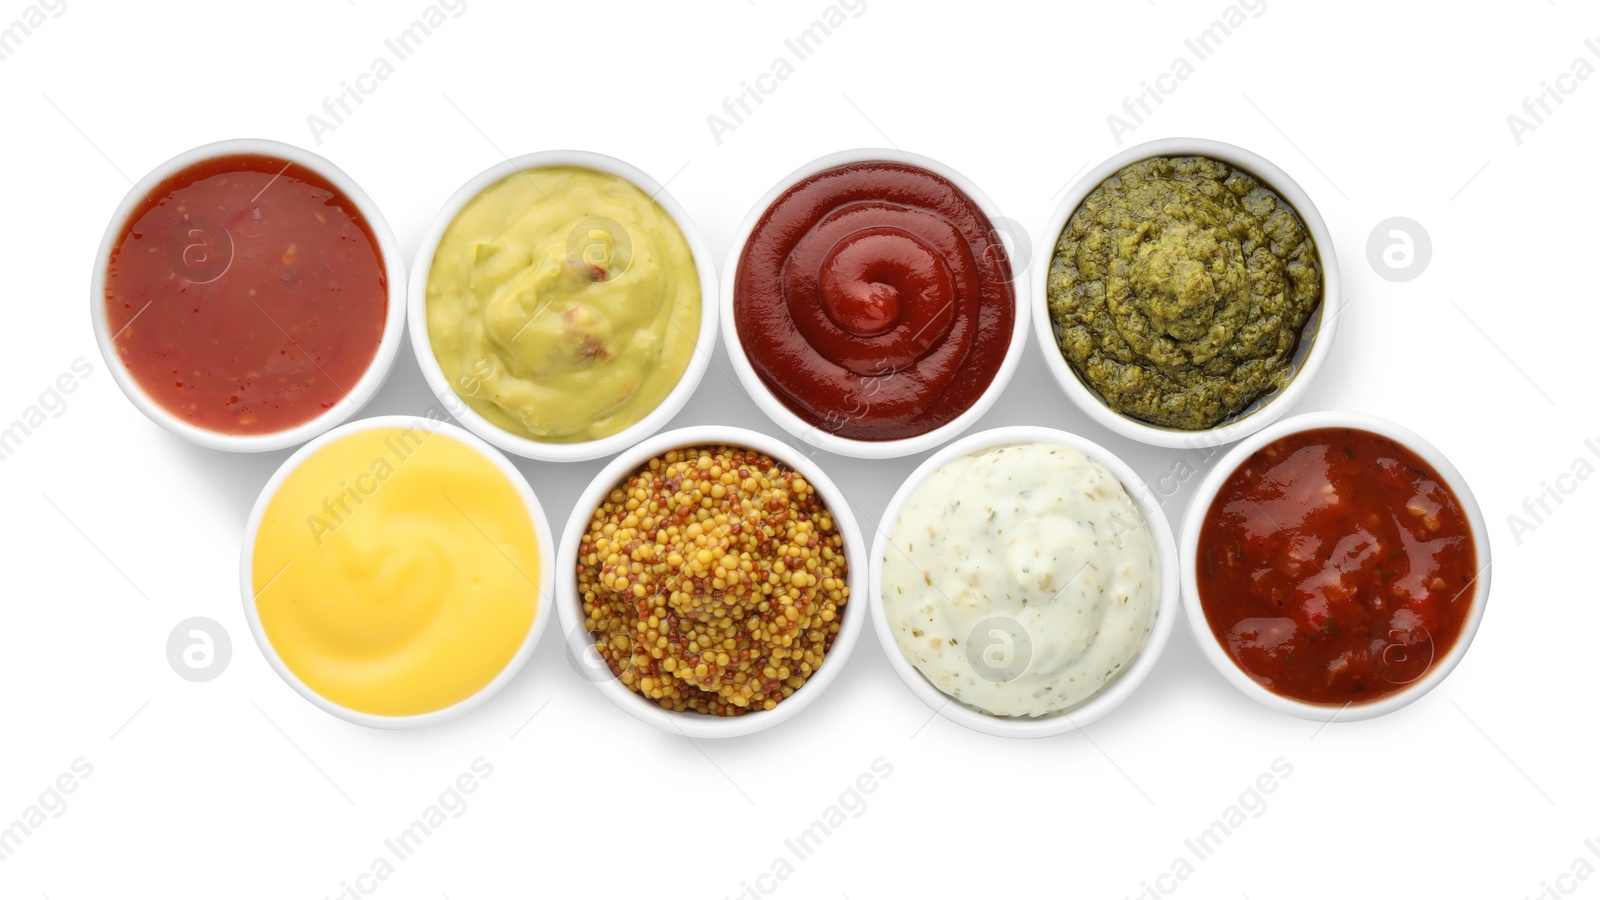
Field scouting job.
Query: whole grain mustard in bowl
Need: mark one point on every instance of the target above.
(709, 577)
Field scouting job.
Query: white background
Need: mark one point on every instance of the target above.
(114, 531)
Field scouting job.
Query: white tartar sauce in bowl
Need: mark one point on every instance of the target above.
(1021, 579)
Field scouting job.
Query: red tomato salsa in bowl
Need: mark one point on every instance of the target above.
(244, 294)
(1336, 566)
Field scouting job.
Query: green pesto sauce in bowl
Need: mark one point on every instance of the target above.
(1180, 289)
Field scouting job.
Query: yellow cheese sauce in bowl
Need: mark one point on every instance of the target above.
(560, 306)
(396, 571)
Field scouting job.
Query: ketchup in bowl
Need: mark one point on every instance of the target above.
(874, 300)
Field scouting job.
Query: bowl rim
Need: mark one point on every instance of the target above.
(656, 419)
(377, 371)
(1109, 697)
(1205, 495)
(1320, 332)
(570, 605)
(861, 449)
(536, 515)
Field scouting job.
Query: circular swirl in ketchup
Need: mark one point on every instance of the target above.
(874, 299)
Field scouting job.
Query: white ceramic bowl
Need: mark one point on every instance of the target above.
(821, 438)
(1319, 330)
(1206, 494)
(705, 339)
(541, 530)
(580, 645)
(1113, 694)
(361, 392)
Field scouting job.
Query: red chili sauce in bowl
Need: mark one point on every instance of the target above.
(1336, 566)
(246, 295)
(874, 300)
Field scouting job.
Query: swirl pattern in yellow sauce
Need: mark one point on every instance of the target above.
(396, 571)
